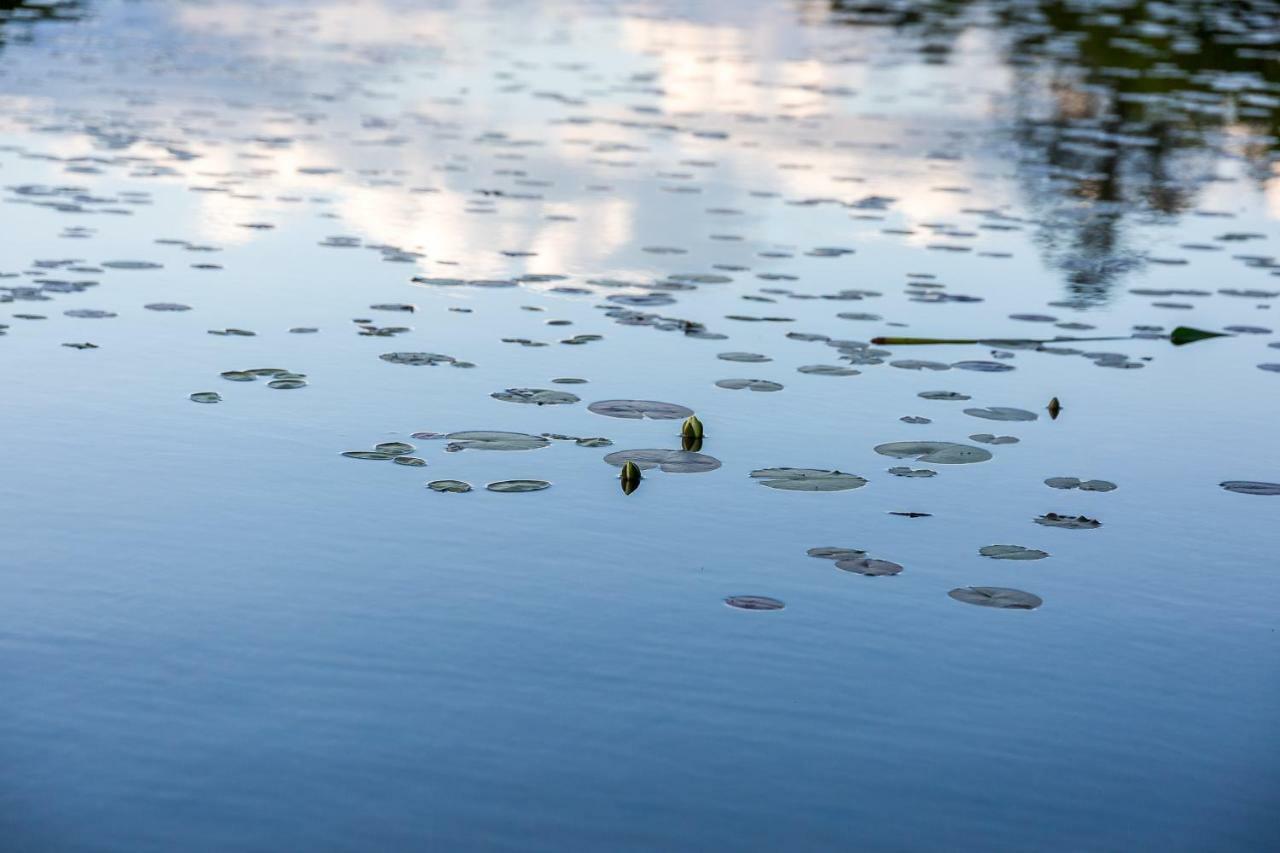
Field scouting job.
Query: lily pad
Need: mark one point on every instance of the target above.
(670, 461)
(166, 306)
(828, 370)
(206, 397)
(395, 448)
(943, 395)
(983, 366)
(492, 440)
(286, 384)
(372, 455)
(750, 384)
(417, 359)
(411, 461)
(868, 566)
(996, 596)
(1002, 413)
(239, 376)
(1251, 487)
(988, 438)
(918, 364)
(1077, 483)
(754, 602)
(828, 553)
(449, 486)
(749, 357)
(902, 471)
(518, 486)
(1070, 522)
(637, 409)
(807, 479)
(1012, 552)
(536, 396)
(934, 452)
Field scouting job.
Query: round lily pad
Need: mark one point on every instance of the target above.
(449, 486)
(943, 395)
(1077, 483)
(536, 396)
(828, 553)
(750, 384)
(983, 366)
(934, 452)
(988, 438)
(1251, 487)
(754, 602)
(902, 471)
(166, 306)
(637, 409)
(1070, 522)
(1011, 552)
(996, 596)
(286, 384)
(670, 461)
(828, 370)
(749, 357)
(1002, 413)
(807, 479)
(411, 461)
(395, 448)
(239, 376)
(368, 454)
(206, 397)
(918, 364)
(869, 567)
(417, 358)
(518, 486)
(493, 440)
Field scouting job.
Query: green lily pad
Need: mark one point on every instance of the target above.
(206, 397)
(1251, 487)
(754, 602)
(750, 384)
(1077, 483)
(411, 461)
(1011, 552)
(449, 486)
(1070, 522)
(417, 359)
(829, 553)
(988, 438)
(807, 479)
(536, 396)
(395, 448)
(1002, 413)
(869, 567)
(368, 454)
(670, 461)
(934, 452)
(996, 596)
(918, 364)
(943, 395)
(828, 370)
(750, 357)
(286, 384)
(493, 440)
(637, 409)
(902, 471)
(518, 486)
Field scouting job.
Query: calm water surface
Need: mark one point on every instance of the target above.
(221, 634)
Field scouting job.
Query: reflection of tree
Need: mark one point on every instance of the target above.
(17, 16)
(1119, 107)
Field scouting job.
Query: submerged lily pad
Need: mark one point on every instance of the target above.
(206, 397)
(750, 384)
(807, 479)
(449, 486)
(996, 596)
(493, 440)
(1002, 413)
(754, 602)
(935, 452)
(1251, 487)
(869, 567)
(637, 409)
(1012, 552)
(536, 396)
(518, 486)
(670, 461)
(1070, 522)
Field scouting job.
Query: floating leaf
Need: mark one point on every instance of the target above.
(901, 471)
(286, 384)
(751, 384)
(637, 409)
(943, 395)
(239, 376)
(1012, 552)
(206, 397)
(417, 358)
(1077, 483)
(1251, 487)
(807, 479)
(368, 454)
(988, 438)
(536, 396)
(492, 440)
(167, 306)
(750, 357)
(917, 364)
(395, 448)
(670, 461)
(996, 596)
(1002, 413)
(754, 602)
(828, 553)
(411, 461)
(828, 370)
(449, 486)
(983, 366)
(518, 486)
(934, 452)
(869, 567)
(1077, 522)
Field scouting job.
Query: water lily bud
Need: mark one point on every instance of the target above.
(692, 427)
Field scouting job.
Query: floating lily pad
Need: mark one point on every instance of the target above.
(536, 396)
(131, 265)
(286, 384)
(1070, 522)
(518, 486)
(373, 455)
(1002, 413)
(395, 448)
(750, 384)
(1251, 487)
(943, 395)
(637, 409)
(828, 370)
(749, 357)
(206, 397)
(828, 553)
(449, 486)
(917, 364)
(983, 366)
(166, 306)
(901, 471)
(89, 313)
(670, 461)
(239, 376)
(417, 358)
(934, 452)
(868, 566)
(1012, 552)
(754, 602)
(915, 419)
(996, 596)
(492, 440)
(411, 461)
(1077, 483)
(807, 479)
(988, 438)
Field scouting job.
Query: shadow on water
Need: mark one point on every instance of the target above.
(1120, 111)
(17, 17)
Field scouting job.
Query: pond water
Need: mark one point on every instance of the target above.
(243, 239)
